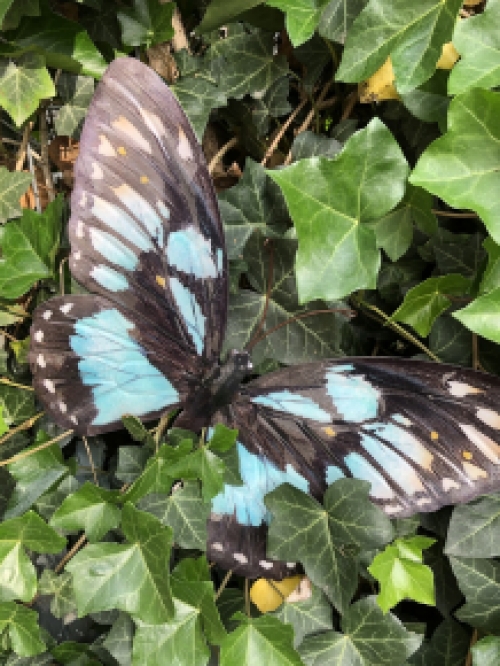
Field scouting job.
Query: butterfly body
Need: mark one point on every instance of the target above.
(147, 242)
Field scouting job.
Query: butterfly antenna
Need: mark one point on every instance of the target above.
(256, 337)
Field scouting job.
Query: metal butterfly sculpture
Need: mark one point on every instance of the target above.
(147, 240)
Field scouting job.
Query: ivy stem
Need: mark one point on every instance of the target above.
(282, 131)
(26, 425)
(220, 153)
(30, 452)
(450, 213)
(71, 553)
(8, 382)
(223, 584)
(247, 598)
(399, 329)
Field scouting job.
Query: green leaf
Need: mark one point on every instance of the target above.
(29, 246)
(254, 204)
(204, 465)
(12, 186)
(448, 646)
(262, 640)
(402, 574)
(462, 167)
(137, 430)
(198, 97)
(424, 303)
(482, 316)
(119, 640)
(90, 509)
(220, 12)
(491, 275)
(337, 18)
(456, 253)
(370, 638)
(62, 42)
(148, 23)
(5, 5)
(429, 102)
(21, 625)
(476, 39)
(131, 462)
(347, 519)
(311, 616)
(17, 10)
(18, 578)
(486, 652)
(132, 577)
(479, 581)
(60, 587)
(302, 17)
(184, 511)
(412, 34)
(34, 474)
(23, 84)
(222, 438)
(329, 200)
(17, 405)
(473, 528)
(76, 92)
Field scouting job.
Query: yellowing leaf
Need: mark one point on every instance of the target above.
(268, 595)
(379, 86)
(449, 57)
(472, 3)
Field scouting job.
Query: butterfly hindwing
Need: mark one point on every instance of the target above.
(423, 434)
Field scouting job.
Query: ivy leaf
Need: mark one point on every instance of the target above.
(311, 616)
(482, 315)
(148, 23)
(184, 511)
(90, 509)
(18, 578)
(60, 587)
(17, 405)
(220, 12)
(17, 10)
(13, 184)
(448, 646)
(424, 303)
(460, 167)
(21, 625)
(477, 42)
(34, 474)
(254, 204)
(479, 580)
(402, 574)
(337, 18)
(131, 462)
(486, 652)
(370, 638)
(473, 528)
(23, 84)
(456, 253)
(491, 274)
(262, 640)
(119, 640)
(133, 577)
(412, 35)
(329, 201)
(198, 97)
(76, 92)
(29, 246)
(221, 438)
(204, 465)
(302, 17)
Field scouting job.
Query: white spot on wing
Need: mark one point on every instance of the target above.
(83, 199)
(66, 308)
(490, 417)
(184, 149)
(153, 122)
(265, 564)
(131, 132)
(239, 557)
(291, 565)
(74, 419)
(47, 315)
(392, 508)
(49, 385)
(485, 444)
(63, 407)
(105, 148)
(97, 172)
(41, 361)
(77, 256)
(460, 389)
(474, 472)
(80, 229)
(39, 336)
(449, 484)
(218, 546)
(423, 501)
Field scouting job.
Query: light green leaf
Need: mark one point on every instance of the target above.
(13, 184)
(90, 509)
(21, 624)
(148, 23)
(329, 201)
(204, 465)
(474, 528)
(76, 92)
(311, 616)
(486, 652)
(482, 316)
(60, 587)
(411, 33)
(133, 577)
(262, 640)
(370, 638)
(477, 41)
(222, 438)
(462, 167)
(23, 84)
(479, 580)
(4, 8)
(491, 275)
(302, 17)
(402, 574)
(424, 303)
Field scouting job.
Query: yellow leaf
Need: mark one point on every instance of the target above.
(268, 595)
(449, 57)
(472, 3)
(379, 86)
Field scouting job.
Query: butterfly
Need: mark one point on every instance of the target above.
(147, 242)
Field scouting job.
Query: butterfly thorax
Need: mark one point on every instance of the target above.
(215, 392)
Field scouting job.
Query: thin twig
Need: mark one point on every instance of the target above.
(30, 452)
(473, 641)
(21, 153)
(164, 421)
(220, 154)
(44, 142)
(5, 380)
(26, 425)
(34, 182)
(449, 213)
(91, 460)
(351, 103)
(71, 553)
(61, 275)
(247, 598)
(282, 131)
(9, 336)
(223, 584)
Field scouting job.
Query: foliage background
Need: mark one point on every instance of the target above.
(381, 237)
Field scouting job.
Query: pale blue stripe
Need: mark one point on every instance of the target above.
(191, 253)
(142, 210)
(293, 403)
(109, 278)
(190, 312)
(355, 399)
(360, 468)
(403, 440)
(333, 473)
(396, 467)
(118, 220)
(113, 249)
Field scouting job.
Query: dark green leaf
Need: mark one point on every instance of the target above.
(204, 465)
(448, 646)
(337, 18)
(311, 616)
(12, 186)
(479, 581)
(491, 275)
(429, 102)
(148, 23)
(222, 438)
(473, 530)
(198, 96)
(309, 144)
(76, 91)
(131, 462)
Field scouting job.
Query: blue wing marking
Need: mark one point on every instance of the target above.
(142, 210)
(190, 252)
(293, 403)
(109, 278)
(190, 312)
(113, 249)
(118, 220)
(354, 398)
(397, 468)
(333, 473)
(360, 468)
(260, 476)
(123, 381)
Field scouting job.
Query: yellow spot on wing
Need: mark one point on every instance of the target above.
(329, 431)
(434, 435)
(467, 455)
(144, 180)
(121, 150)
(160, 280)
